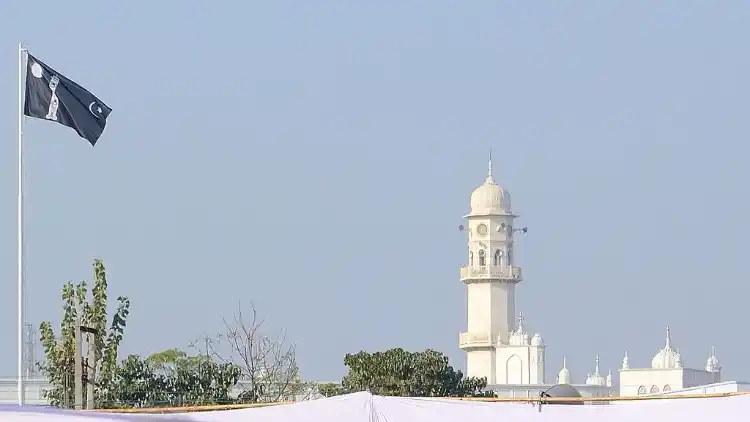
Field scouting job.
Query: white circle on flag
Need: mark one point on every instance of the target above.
(36, 70)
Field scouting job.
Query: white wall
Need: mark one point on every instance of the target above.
(642, 381)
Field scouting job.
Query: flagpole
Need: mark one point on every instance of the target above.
(21, 389)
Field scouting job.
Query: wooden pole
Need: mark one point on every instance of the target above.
(91, 371)
(78, 371)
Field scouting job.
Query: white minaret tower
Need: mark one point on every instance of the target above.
(490, 278)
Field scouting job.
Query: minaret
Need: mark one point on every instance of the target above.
(490, 276)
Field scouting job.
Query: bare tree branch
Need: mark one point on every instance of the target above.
(269, 365)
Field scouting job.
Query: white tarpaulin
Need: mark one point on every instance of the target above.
(45, 414)
(356, 407)
(363, 407)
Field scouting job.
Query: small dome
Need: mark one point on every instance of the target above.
(563, 377)
(489, 198)
(712, 363)
(519, 337)
(537, 340)
(563, 391)
(667, 358)
(596, 378)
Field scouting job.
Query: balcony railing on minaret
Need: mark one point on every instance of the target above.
(491, 272)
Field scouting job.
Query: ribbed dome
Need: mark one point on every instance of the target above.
(519, 337)
(489, 198)
(667, 358)
(596, 378)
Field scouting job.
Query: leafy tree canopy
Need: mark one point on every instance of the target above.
(59, 351)
(172, 378)
(397, 372)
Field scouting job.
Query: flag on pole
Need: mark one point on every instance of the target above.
(52, 96)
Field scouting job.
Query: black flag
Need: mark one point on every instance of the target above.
(52, 96)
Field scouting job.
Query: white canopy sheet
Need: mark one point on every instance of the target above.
(349, 408)
(44, 414)
(363, 407)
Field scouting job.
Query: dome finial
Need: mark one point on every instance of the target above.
(563, 377)
(596, 370)
(489, 170)
(520, 322)
(668, 344)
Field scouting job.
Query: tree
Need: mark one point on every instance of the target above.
(269, 370)
(172, 378)
(136, 384)
(397, 372)
(59, 352)
(330, 389)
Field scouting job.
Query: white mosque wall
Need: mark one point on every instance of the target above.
(533, 391)
(520, 365)
(716, 388)
(638, 382)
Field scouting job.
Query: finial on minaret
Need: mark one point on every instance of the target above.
(489, 169)
(489, 179)
(596, 370)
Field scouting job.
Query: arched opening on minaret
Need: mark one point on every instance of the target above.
(482, 258)
(471, 258)
(498, 260)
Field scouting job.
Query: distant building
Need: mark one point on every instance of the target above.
(496, 343)
(34, 387)
(666, 373)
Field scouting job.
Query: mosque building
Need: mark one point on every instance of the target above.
(496, 342)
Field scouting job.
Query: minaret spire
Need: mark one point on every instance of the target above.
(489, 170)
(596, 370)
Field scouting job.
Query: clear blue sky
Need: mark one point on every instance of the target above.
(316, 158)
